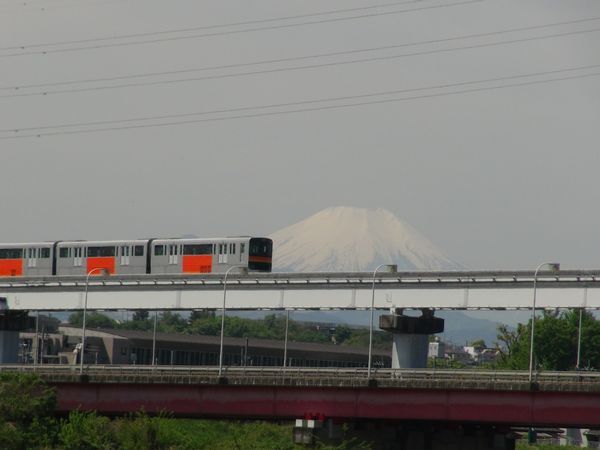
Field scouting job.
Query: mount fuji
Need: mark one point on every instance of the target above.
(354, 239)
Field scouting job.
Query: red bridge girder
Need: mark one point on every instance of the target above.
(537, 408)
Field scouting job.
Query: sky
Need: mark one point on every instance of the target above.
(498, 178)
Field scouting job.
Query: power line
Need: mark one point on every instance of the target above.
(208, 27)
(300, 103)
(285, 69)
(297, 58)
(218, 33)
(33, 7)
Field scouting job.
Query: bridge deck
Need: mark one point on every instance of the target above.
(440, 290)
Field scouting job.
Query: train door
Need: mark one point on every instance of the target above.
(32, 257)
(78, 256)
(173, 254)
(125, 252)
(223, 253)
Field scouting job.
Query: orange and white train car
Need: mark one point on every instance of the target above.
(140, 256)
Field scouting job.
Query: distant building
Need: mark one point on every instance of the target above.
(482, 355)
(122, 347)
(437, 349)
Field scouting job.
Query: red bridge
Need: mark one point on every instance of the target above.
(468, 396)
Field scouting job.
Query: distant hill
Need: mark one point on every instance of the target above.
(354, 239)
(459, 327)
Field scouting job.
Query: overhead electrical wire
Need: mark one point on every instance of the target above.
(23, 48)
(208, 27)
(15, 133)
(281, 69)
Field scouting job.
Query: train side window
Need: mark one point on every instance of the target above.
(63, 252)
(242, 247)
(225, 249)
(159, 250)
(101, 252)
(139, 250)
(11, 253)
(45, 253)
(234, 248)
(197, 249)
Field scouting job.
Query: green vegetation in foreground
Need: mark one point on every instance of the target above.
(525, 446)
(27, 421)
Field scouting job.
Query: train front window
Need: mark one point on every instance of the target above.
(259, 254)
(261, 247)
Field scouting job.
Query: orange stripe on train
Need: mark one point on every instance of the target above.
(11, 267)
(197, 263)
(107, 263)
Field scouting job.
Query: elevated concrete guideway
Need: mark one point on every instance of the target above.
(403, 290)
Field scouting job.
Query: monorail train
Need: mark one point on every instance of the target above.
(150, 256)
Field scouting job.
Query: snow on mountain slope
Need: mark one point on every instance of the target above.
(354, 239)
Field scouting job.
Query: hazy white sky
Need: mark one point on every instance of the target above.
(500, 178)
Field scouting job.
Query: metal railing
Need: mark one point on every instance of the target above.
(426, 378)
(342, 279)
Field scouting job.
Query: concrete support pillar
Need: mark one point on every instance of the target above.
(410, 350)
(411, 337)
(11, 322)
(9, 347)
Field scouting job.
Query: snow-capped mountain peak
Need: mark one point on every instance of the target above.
(354, 239)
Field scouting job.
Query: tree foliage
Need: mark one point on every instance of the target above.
(93, 320)
(555, 342)
(26, 406)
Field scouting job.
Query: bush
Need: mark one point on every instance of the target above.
(26, 408)
(86, 430)
(141, 432)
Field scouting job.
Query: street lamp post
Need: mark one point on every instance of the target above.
(243, 271)
(392, 268)
(154, 339)
(102, 271)
(579, 339)
(285, 342)
(554, 267)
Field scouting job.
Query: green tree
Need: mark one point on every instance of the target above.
(26, 405)
(93, 320)
(141, 316)
(172, 323)
(478, 344)
(555, 343)
(342, 333)
(201, 314)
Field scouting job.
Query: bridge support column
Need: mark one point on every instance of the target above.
(11, 322)
(411, 337)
